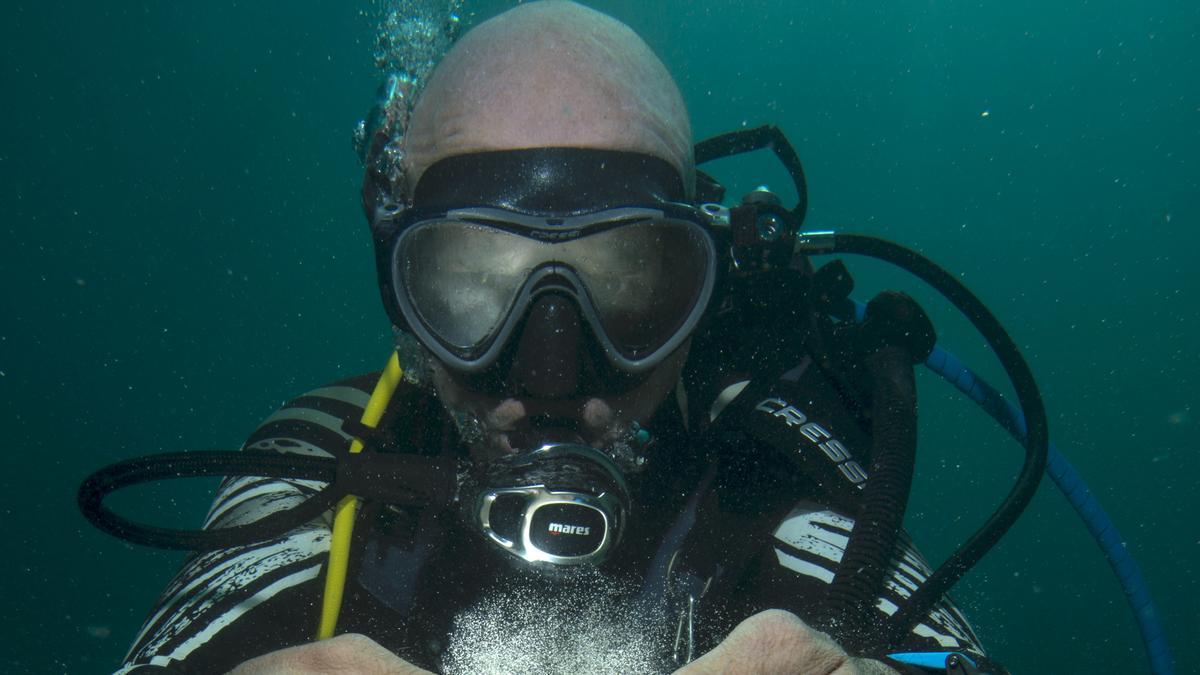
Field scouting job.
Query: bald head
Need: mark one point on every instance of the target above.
(549, 74)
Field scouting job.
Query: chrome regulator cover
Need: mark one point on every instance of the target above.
(560, 505)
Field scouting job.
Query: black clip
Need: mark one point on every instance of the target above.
(894, 319)
(957, 664)
(764, 232)
(832, 285)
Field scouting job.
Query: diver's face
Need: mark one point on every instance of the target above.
(549, 75)
(498, 425)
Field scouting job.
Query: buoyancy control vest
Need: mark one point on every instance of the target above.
(790, 417)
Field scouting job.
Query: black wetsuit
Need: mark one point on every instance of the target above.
(414, 575)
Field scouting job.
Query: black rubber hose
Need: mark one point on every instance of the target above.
(100, 484)
(851, 597)
(1028, 396)
(748, 140)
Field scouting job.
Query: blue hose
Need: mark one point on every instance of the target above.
(1082, 499)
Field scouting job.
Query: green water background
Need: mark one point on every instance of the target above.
(183, 250)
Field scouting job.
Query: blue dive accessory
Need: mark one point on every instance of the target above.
(1081, 498)
(950, 663)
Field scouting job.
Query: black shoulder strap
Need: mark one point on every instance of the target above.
(785, 439)
(396, 543)
(779, 441)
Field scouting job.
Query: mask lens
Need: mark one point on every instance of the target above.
(461, 279)
(645, 280)
(639, 282)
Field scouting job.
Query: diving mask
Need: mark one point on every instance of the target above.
(489, 234)
(641, 277)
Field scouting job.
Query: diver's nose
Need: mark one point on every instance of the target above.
(547, 361)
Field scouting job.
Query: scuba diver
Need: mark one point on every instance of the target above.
(630, 438)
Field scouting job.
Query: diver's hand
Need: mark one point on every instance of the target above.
(350, 653)
(776, 641)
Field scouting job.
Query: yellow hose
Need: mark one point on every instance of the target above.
(346, 509)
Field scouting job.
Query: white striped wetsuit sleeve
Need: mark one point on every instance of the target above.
(217, 590)
(810, 542)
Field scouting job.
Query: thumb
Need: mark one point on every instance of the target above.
(349, 653)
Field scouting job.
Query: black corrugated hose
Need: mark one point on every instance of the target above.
(1028, 396)
(851, 597)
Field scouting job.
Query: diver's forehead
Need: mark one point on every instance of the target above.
(549, 75)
